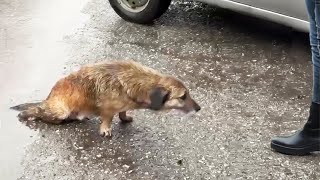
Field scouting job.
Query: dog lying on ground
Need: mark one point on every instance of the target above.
(108, 89)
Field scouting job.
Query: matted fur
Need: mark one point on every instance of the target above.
(105, 89)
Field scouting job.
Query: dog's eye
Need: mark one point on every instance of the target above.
(184, 97)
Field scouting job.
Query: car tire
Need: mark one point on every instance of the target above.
(142, 13)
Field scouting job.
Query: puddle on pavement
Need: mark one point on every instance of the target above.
(31, 35)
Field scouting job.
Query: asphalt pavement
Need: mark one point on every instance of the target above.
(252, 79)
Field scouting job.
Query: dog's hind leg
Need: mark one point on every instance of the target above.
(53, 115)
(124, 118)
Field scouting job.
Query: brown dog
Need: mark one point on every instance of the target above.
(106, 90)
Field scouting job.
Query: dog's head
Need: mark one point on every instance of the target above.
(170, 93)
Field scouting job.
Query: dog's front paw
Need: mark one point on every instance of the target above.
(105, 132)
(126, 119)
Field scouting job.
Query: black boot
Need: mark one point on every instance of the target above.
(304, 141)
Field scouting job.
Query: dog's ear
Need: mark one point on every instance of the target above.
(158, 97)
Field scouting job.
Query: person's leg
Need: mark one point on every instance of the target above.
(315, 46)
(307, 139)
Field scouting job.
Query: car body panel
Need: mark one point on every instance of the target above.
(292, 13)
(292, 8)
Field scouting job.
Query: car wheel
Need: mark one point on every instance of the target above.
(140, 11)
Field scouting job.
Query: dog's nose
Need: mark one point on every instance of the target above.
(198, 108)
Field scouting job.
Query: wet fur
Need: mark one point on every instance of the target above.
(105, 90)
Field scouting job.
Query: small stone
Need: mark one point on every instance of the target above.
(179, 162)
(126, 166)
(99, 155)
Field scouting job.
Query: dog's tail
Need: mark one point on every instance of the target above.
(25, 106)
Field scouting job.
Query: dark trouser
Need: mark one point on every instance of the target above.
(313, 7)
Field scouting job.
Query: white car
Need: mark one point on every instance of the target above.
(292, 13)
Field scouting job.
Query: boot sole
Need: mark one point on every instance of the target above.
(295, 151)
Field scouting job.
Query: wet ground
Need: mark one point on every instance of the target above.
(252, 79)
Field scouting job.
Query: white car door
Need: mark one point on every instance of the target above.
(292, 8)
